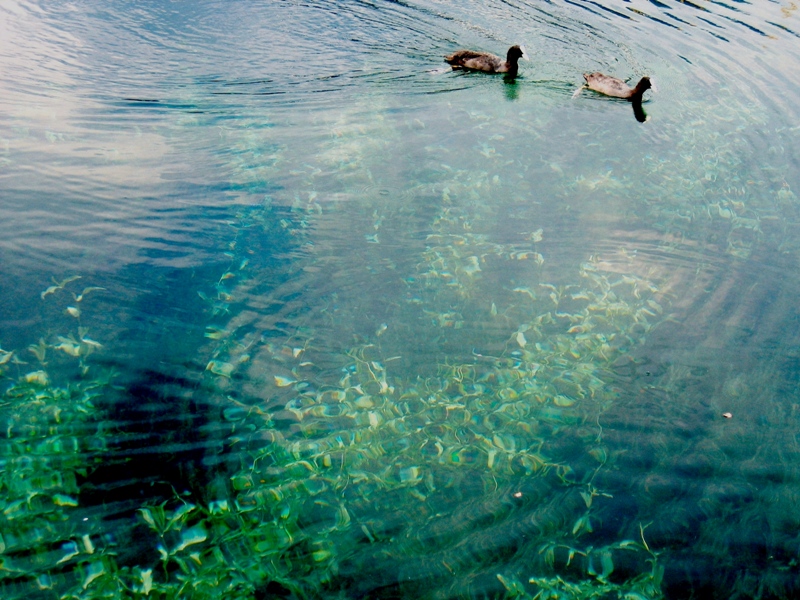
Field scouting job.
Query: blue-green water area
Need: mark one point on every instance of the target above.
(289, 309)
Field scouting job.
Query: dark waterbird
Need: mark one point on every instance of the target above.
(611, 86)
(616, 88)
(489, 63)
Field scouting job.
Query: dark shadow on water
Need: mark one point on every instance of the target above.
(154, 455)
(638, 111)
(160, 423)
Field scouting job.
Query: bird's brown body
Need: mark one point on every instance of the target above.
(611, 86)
(489, 63)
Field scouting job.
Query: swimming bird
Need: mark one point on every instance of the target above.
(483, 61)
(616, 88)
(611, 86)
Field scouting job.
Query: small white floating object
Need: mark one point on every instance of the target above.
(727, 415)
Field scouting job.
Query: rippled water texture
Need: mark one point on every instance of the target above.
(291, 310)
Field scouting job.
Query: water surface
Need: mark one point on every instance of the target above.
(291, 311)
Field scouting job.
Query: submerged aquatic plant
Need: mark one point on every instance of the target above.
(51, 440)
(338, 461)
(344, 461)
(310, 495)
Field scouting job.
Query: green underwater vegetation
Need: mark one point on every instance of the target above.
(408, 385)
(339, 463)
(304, 500)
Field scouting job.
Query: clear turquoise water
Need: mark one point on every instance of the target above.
(352, 325)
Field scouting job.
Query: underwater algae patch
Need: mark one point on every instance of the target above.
(362, 478)
(355, 477)
(347, 471)
(51, 441)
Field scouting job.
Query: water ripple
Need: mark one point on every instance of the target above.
(292, 180)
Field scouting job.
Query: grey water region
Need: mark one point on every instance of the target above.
(290, 308)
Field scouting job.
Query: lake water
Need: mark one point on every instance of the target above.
(291, 311)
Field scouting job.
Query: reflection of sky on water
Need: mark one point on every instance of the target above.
(294, 181)
(76, 172)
